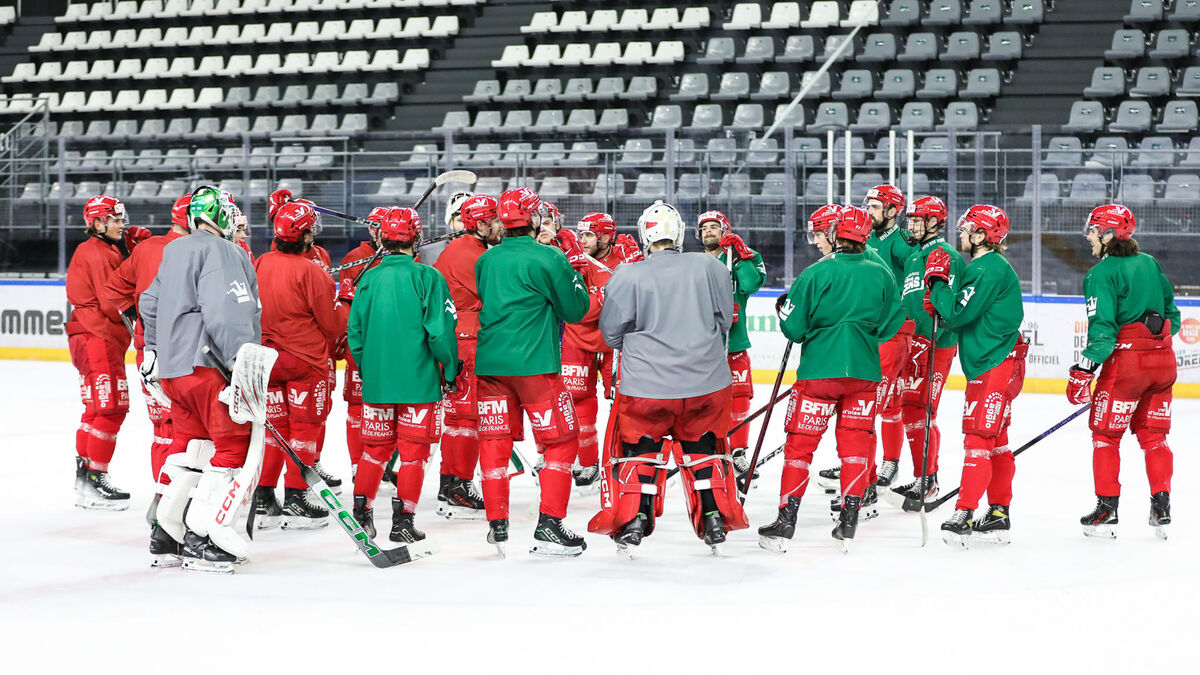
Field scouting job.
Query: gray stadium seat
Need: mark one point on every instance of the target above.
(880, 155)
(773, 85)
(855, 84)
(576, 89)
(611, 120)
(383, 93)
(264, 97)
(293, 124)
(821, 85)
(1191, 156)
(902, 13)
(454, 120)
(1136, 188)
(759, 49)
(580, 119)
(916, 116)
(636, 152)
(99, 128)
(551, 153)
(707, 116)
(1107, 81)
(179, 128)
(722, 151)
(934, 151)
(666, 117)
(962, 46)
(879, 47)
(641, 88)
(1049, 185)
(548, 120)
(1132, 117)
(897, 83)
(1088, 188)
(1108, 151)
(861, 182)
(1189, 82)
(718, 50)
(834, 42)
(1154, 152)
(555, 186)
(692, 87)
(919, 47)
(734, 185)
(514, 91)
(794, 118)
(692, 186)
(263, 125)
(732, 86)
(939, 83)
(1024, 12)
(984, 12)
(943, 13)
(545, 90)
(608, 89)
(1179, 115)
(483, 92)
(774, 187)
(1086, 117)
(293, 95)
(1152, 81)
(982, 83)
(650, 185)
(816, 189)
(830, 115)
(486, 121)
(807, 150)
(1144, 11)
(873, 116)
(961, 116)
(797, 49)
(1171, 44)
(1063, 151)
(1127, 43)
(1182, 187)
(1004, 46)
(607, 184)
(748, 116)
(763, 152)
(1185, 10)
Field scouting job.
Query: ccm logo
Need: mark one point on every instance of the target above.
(227, 504)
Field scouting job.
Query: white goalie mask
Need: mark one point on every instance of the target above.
(454, 205)
(658, 222)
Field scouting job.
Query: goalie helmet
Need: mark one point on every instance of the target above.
(209, 206)
(929, 207)
(1114, 218)
(991, 219)
(102, 207)
(292, 220)
(551, 215)
(520, 208)
(719, 217)
(659, 222)
(454, 205)
(598, 224)
(402, 224)
(179, 211)
(824, 220)
(478, 210)
(888, 195)
(854, 224)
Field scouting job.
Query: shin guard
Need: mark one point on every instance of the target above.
(798, 452)
(411, 472)
(1106, 464)
(854, 448)
(370, 471)
(1004, 467)
(1160, 463)
(976, 472)
(494, 454)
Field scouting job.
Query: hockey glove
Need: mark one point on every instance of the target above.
(569, 243)
(780, 302)
(937, 267)
(278, 198)
(737, 312)
(149, 374)
(731, 240)
(929, 308)
(451, 387)
(345, 293)
(627, 248)
(1079, 382)
(920, 347)
(135, 235)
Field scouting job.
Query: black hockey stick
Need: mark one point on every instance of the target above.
(950, 495)
(923, 482)
(380, 558)
(425, 242)
(762, 431)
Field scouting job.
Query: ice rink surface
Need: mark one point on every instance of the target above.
(77, 591)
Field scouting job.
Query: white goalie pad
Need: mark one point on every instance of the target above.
(222, 499)
(246, 394)
(183, 470)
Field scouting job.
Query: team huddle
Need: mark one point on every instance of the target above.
(519, 318)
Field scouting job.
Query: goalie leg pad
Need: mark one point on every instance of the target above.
(181, 471)
(212, 507)
(709, 482)
(639, 479)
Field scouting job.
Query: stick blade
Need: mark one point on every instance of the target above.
(456, 176)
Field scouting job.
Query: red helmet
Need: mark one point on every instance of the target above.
(1115, 218)
(991, 219)
(317, 227)
(179, 212)
(278, 198)
(854, 224)
(520, 208)
(401, 224)
(889, 195)
(476, 210)
(598, 224)
(824, 219)
(721, 218)
(292, 220)
(550, 211)
(102, 206)
(929, 207)
(377, 215)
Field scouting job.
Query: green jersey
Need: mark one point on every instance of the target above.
(895, 245)
(872, 255)
(402, 328)
(1118, 291)
(912, 292)
(985, 309)
(841, 307)
(525, 289)
(748, 276)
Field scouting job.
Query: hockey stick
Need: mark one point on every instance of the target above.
(762, 431)
(426, 242)
(930, 365)
(950, 495)
(380, 558)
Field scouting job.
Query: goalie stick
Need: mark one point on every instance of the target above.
(380, 558)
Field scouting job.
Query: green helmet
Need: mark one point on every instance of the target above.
(210, 206)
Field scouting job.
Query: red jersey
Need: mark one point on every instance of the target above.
(92, 265)
(317, 254)
(586, 334)
(300, 312)
(134, 275)
(457, 265)
(361, 252)
(612, 259)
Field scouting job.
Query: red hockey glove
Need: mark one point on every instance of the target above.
(627, 248)
(135, 235)
(929, 308)
(736, 312)
(1079, 384)
(731, 240)
(278, 198)
(920, 348)
(569, 243)
(779, 303)
(937, 267)
(345, 293)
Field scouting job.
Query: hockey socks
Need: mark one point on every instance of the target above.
(798, 453)
(914, 428)
(891, 436)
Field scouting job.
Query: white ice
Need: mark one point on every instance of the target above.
(77, 591)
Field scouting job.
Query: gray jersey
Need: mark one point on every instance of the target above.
(668, 315)
(205, 294)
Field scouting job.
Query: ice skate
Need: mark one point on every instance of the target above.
(81, 466)
(956, 531)
(867, 510)
(268, 514)
(553, 539)
(775, 537)
(403, 530)
(887, 472)
(907, 497)
(99, 494)
(1160, 513)
(459, 500)
(741, 467)
(164, 550)
(201, 555)
(300, 512)
(847, 522)
(630, 536)
(1099, 523)
(498, 534)
(830, 479)
(714, 531)
(364, 515)
(586, 482)
(993, 527)
(333, 482)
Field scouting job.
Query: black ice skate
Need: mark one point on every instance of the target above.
(364, 516)
(830, 479)
(333, 482)
(268, 514)
(1160, 513)
(631, 535)
(300, 512)
(774, 537)
(993, 527)
(1099, 523)
(164, 550)
(887, 472)
(847, 522)
(460, 499)
(81, 466)
(714, 531)
(97, 493)
(866, 511)
(956, 531)
(201, 555)
(741, 466)
(498, 534)
(585, 479)
(403, 530)
(553, 539)
(908, 497)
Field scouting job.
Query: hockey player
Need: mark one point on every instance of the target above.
(599, 239)
(204, 295)
(525, 290)
(984, 308)
(301, 317)
(401, 305)
(458, 498)
(926, 222)
(715, 232)
(673, 381)
(454, 221)
(1131, 317)
(841, 308)
(584, 352)
(97, 339)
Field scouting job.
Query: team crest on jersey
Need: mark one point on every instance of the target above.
(1091, 307)
(967, 294)
(239, 291)
(451, 309)
(912, 283)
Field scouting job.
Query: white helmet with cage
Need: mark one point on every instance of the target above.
(454, 204)
(658, 222)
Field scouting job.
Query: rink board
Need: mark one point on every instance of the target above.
(33, 316)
